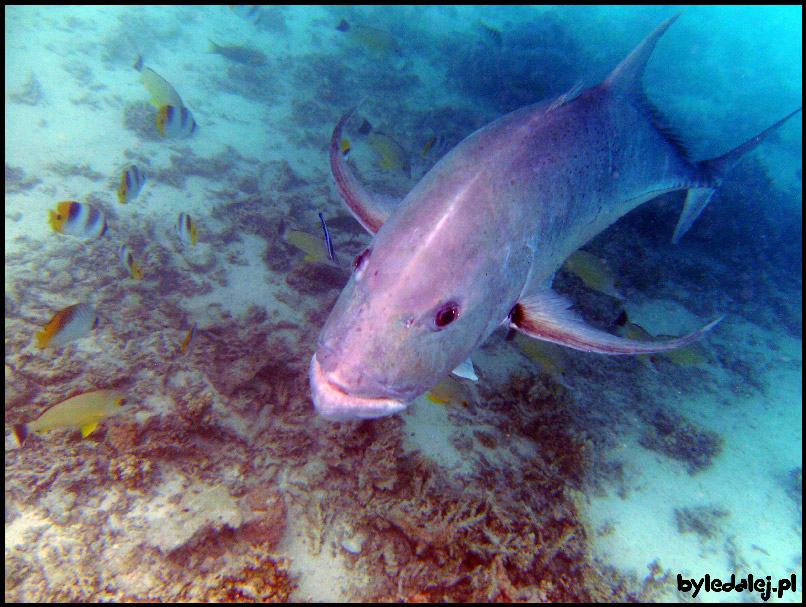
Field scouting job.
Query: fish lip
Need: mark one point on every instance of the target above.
(335, 404)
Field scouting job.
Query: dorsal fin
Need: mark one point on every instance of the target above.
(626, 80)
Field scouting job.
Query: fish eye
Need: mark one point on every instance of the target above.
(361, 260)
(446, 314)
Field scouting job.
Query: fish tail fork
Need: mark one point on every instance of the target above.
(20, 432)
(715, 170)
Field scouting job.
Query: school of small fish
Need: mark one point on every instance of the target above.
(85, 221)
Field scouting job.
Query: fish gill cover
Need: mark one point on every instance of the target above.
(558, 475)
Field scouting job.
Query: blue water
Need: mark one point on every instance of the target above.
(554, 477)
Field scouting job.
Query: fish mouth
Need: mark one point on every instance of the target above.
(336, 404)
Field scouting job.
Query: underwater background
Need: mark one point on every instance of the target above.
(558, 475)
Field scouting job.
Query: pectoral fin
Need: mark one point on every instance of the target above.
(465, 370)
(547, 316)
(370, 210)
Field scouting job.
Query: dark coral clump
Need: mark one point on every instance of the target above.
(256, 577)
(681, 440)
(30, 93)
(510, 532)
(141, 118)
(702, 520)
(17, 181)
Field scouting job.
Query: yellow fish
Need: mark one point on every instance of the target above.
(175, 122)
(436, 144)
(447, 391)
(67, 325)
(593, 272)
(130, 184)
(632, 330)
(391, 152)
(77, 219)
(371, 37)
(186, 229)
(693, 355)
(162, 93)
(635, 331)
(244, 55)
(552, 359)
(126, 257)
(84, 411)
(314, 247)
(189, 339)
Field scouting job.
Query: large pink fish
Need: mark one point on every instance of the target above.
(475, 244)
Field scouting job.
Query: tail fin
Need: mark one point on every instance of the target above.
(721, 165)
(42, 339)
(53, 218)
(20, 432)
(716, 168)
